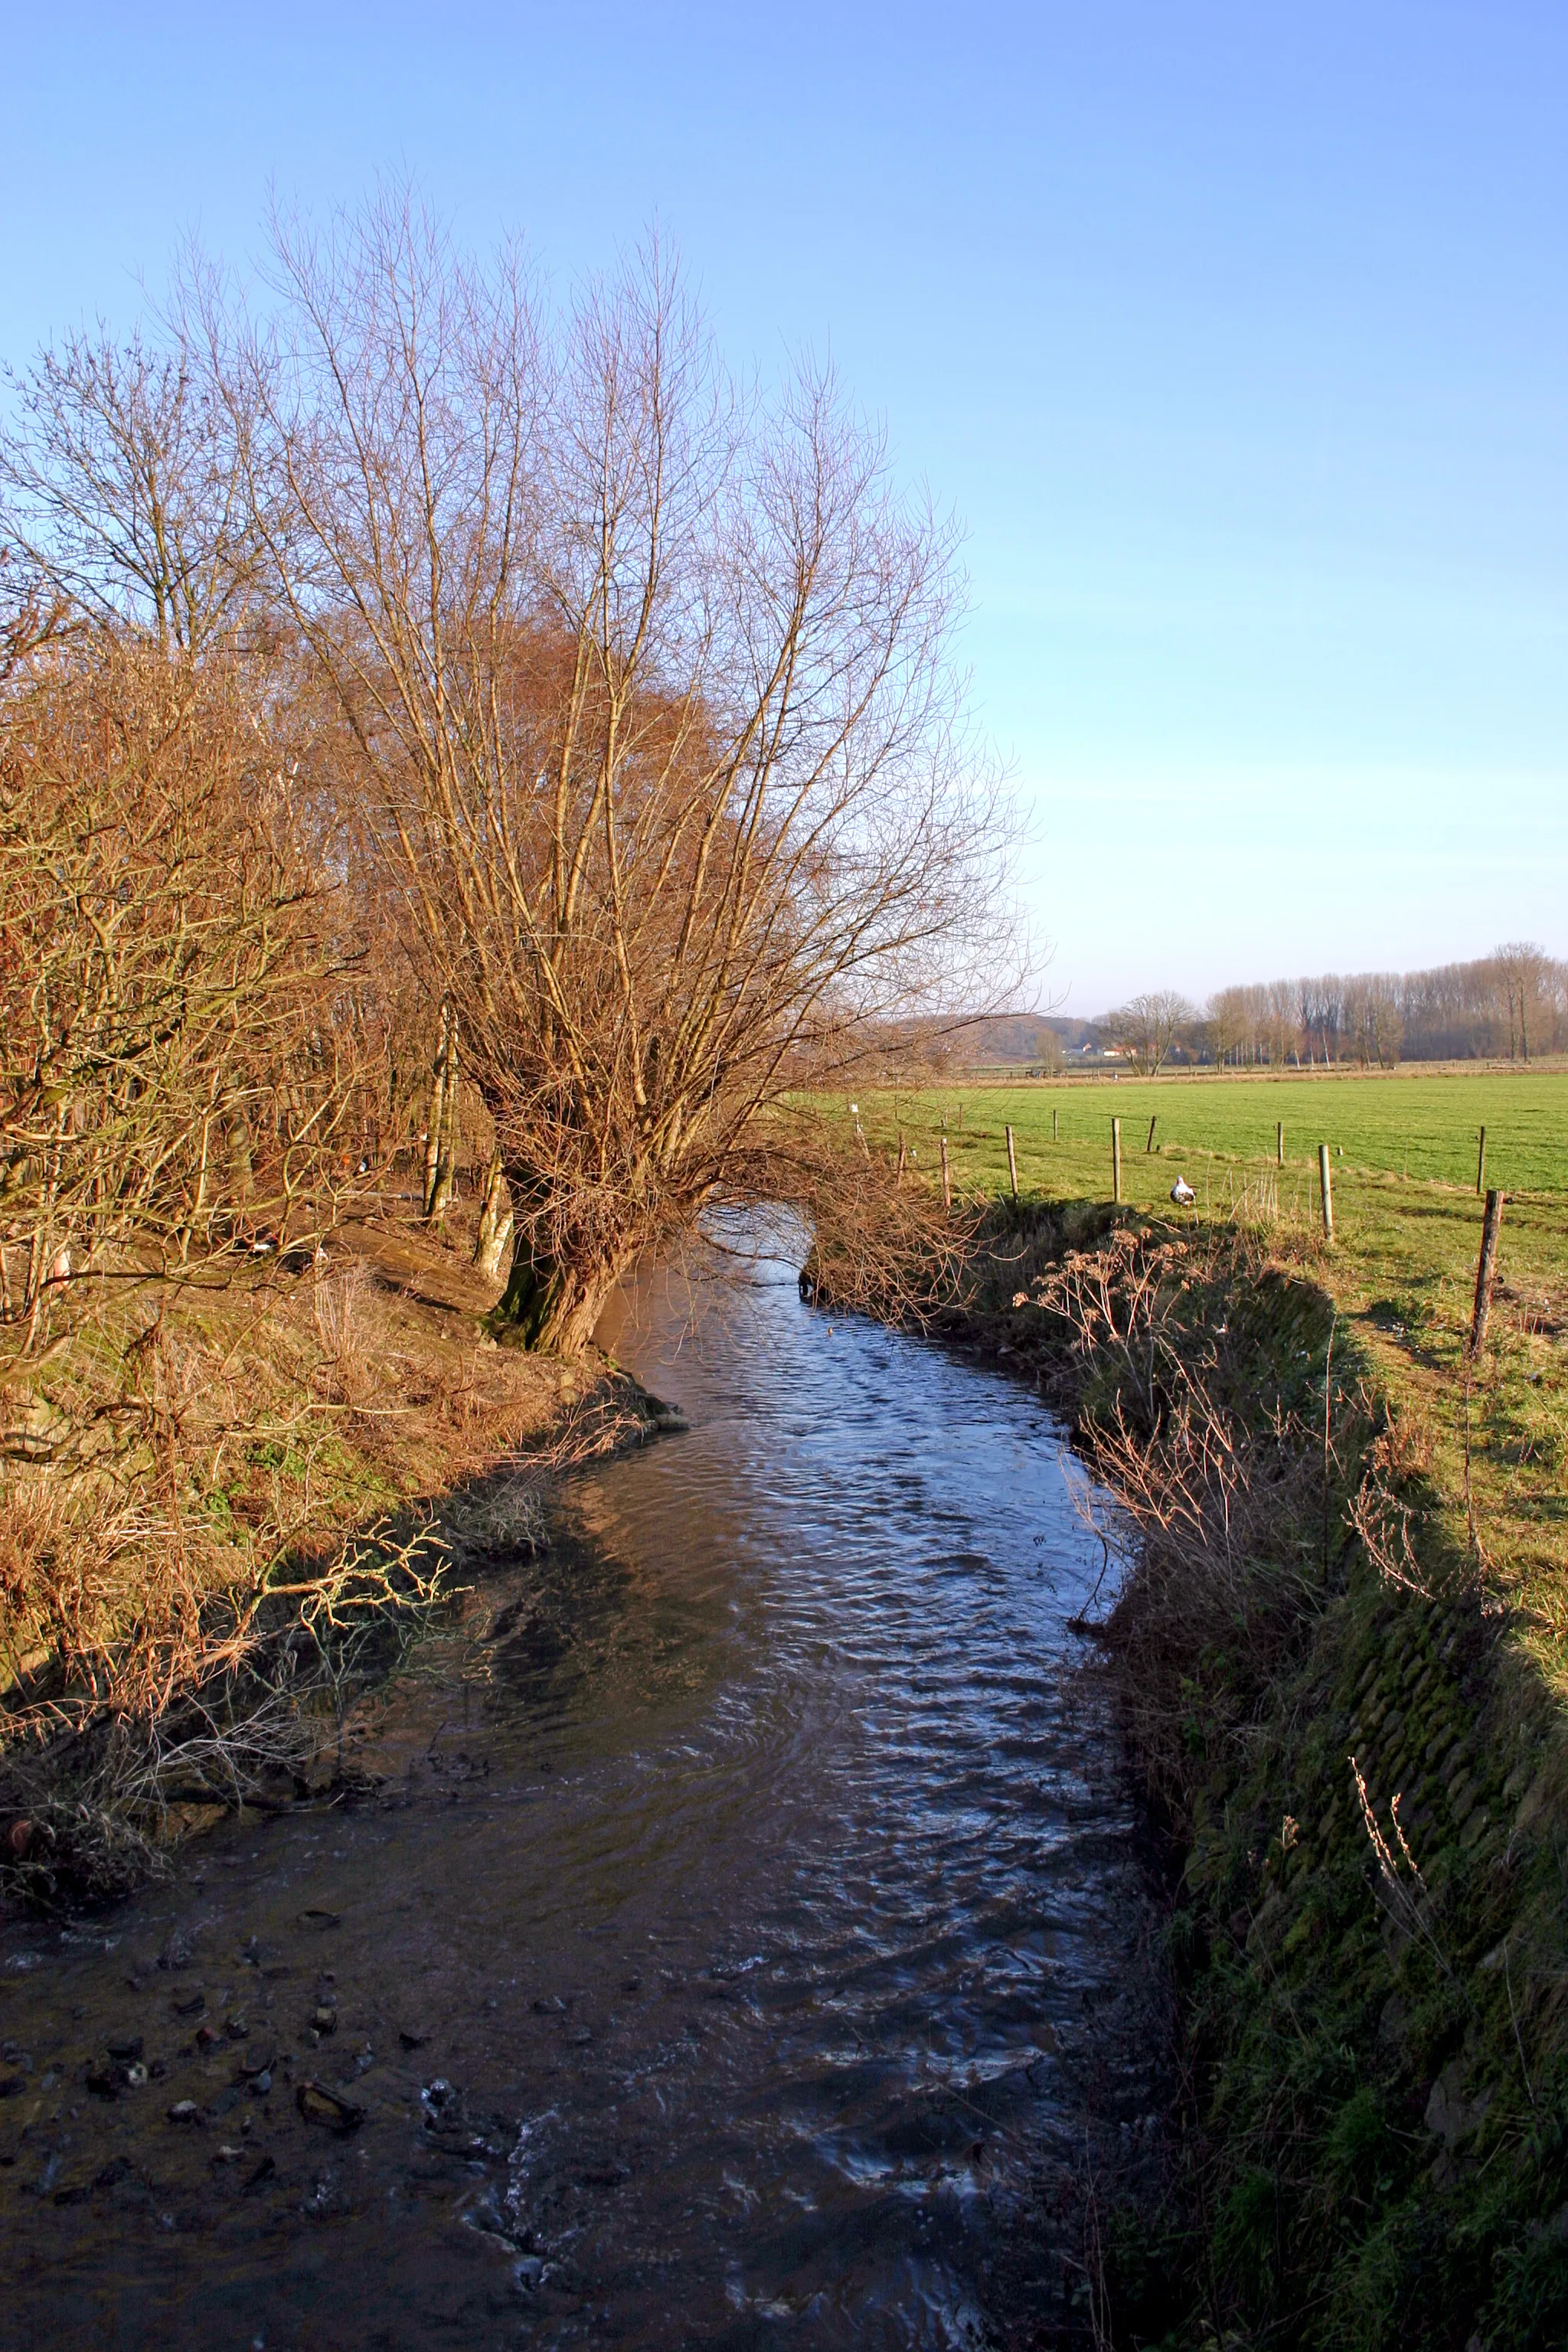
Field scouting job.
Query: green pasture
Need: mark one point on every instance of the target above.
(1407, 1124)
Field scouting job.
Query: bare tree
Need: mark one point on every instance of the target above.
(1525, 974)
(657, 738)
(1452, 1012)
(1284, 1029)
(1150, 1025)
(1226, 1022)
(126, 478)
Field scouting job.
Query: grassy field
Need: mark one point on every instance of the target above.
(1419, 1123)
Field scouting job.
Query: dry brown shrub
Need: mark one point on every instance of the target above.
(1405, 1447)
(1227, 1504)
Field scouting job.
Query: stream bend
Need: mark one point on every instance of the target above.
(751, 1915)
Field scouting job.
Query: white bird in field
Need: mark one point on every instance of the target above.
(1182, 1193)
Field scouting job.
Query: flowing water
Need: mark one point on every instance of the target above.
(747, 1926)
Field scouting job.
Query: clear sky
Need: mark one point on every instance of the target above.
(1237, 335)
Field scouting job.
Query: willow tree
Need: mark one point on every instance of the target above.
(645, 678)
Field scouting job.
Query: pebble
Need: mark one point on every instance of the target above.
(318, 2106)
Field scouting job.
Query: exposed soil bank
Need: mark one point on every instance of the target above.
(1374, 2000)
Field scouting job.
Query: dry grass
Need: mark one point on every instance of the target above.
(1235, 1494)
(215, 1500)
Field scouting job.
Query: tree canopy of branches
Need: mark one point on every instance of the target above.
(1149, 1025)
(127, 484)
(652, 724)
(603, 703)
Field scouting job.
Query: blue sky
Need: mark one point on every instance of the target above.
(1238, 336)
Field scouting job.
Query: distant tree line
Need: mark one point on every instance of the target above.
(1512, 1003)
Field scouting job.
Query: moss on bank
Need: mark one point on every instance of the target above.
(1372, 1957)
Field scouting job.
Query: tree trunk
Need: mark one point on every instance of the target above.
(495, 1220)
(433, 1121)
(548, 1307)
(441, 1127)
(241, 1163)
(447, 1163)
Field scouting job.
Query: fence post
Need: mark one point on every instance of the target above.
(1492, 1225)
(1116, 1159)
(1481, 1165)
(1279, 1142)
(1012, 1163)
(1054, 1116)
(900, 1174)
(1328, 1192)
(946, 1179)
(1149, 1147)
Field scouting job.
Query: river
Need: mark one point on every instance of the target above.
(746, 1934)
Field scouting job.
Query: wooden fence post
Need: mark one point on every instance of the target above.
(1055, 1133)
(1481, 1165)
(1150, 1145)
(1328, 1192)
(1279, 1142)
(1492, 1225)
(946, 1178)
(1012, 1163)
(1116, 1159)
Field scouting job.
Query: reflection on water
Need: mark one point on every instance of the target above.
(724, 1962)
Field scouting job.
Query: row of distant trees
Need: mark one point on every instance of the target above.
(1512, 1003)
